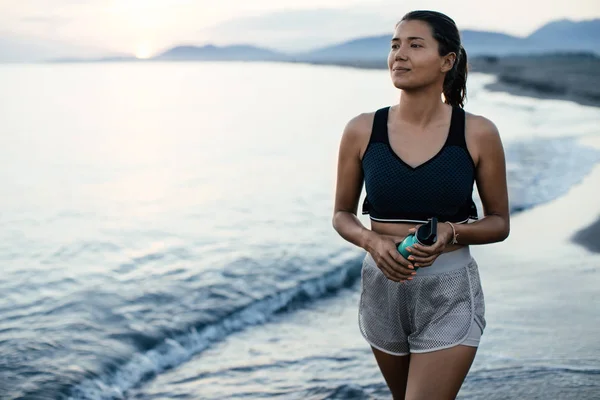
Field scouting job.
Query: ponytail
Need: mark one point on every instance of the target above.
(455, 83)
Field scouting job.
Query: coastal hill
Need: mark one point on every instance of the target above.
(214, 53)
(557, 36)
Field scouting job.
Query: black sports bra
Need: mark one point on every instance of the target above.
(440, 187)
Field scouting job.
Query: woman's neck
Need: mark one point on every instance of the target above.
(420, 108)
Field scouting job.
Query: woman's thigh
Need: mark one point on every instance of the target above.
(438, 375)
(394, 370)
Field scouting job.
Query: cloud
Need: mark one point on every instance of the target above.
(297, 30)
(300, 29)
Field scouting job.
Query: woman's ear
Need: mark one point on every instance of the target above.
(448, 62)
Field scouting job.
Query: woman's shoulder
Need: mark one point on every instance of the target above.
(479, 127)
(357, 133)
(360, 125)
(482, 137)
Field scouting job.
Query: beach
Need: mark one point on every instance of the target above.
(573, 77)
(161, 243)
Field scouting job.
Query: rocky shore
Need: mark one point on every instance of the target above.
(571, 76)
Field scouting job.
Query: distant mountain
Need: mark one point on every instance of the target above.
(493, 43)
(376, 48)
(364, 49)
(197, 53)
(226, 53)
(575, 36)
(558, 36)
(117, 58)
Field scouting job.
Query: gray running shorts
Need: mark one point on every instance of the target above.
(443, 306)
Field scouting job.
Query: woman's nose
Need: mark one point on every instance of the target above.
(400, 54)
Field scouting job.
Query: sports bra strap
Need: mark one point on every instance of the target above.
(379, 132)
(456, 136)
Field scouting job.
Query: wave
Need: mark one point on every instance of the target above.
(514, 372)
(541, 170)
(172, 352)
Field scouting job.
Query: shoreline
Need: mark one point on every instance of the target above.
(570, 77)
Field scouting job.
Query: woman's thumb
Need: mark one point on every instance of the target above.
(414, 229)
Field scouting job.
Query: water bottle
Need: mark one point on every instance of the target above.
(426, 235)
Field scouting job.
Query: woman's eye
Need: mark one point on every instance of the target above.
(415, 45)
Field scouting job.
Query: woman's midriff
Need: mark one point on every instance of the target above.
(401, 230)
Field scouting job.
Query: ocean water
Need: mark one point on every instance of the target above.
(166, 233)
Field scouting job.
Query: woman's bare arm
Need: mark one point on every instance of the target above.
(349, 184)
(492, 187)
(348, 188)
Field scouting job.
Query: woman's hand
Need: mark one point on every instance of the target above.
(393, 265)
(423, 256)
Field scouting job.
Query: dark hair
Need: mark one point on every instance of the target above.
(446, 33)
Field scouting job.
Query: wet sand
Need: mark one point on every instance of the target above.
(574, 77)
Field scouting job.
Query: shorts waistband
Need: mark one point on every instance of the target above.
(445, 262)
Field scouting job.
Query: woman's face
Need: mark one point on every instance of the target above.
(414, 59)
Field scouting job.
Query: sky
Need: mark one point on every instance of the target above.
(146, 27)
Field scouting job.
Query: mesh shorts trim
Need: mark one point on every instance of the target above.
(381, 348)
(434, 311)
(474, 337)
(472, 340)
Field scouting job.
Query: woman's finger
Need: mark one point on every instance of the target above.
(399, 259)
(426, 262)
(435, 248)
(387, 270)
(414, 228)
(389, 273)
(399, 266)
(416, 252)
(422, 251)
(416, 260)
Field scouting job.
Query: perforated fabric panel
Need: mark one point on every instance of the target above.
(442, 186)
(428, 313)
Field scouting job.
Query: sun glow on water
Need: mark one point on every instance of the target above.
(143, 50)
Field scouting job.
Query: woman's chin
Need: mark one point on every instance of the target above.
(401, 84)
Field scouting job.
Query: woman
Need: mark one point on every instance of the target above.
(423, 316)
